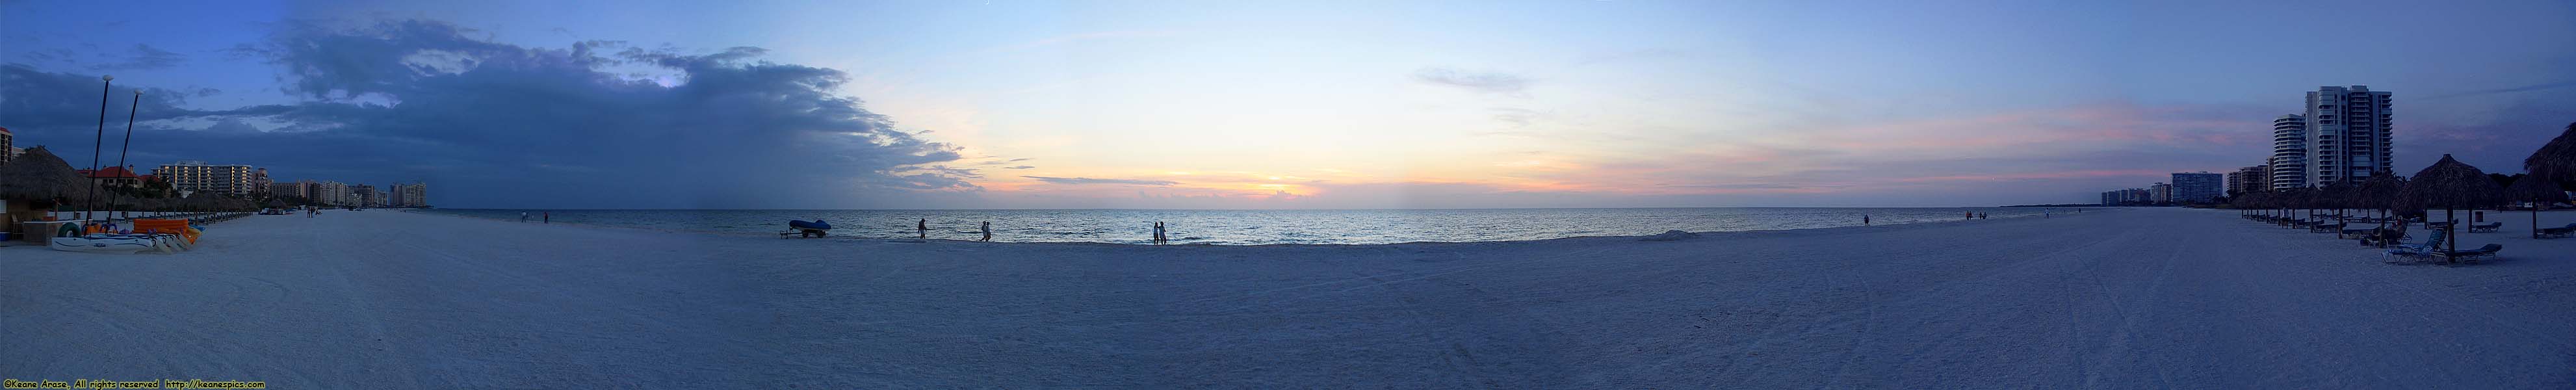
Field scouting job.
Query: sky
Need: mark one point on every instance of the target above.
(1257, 105)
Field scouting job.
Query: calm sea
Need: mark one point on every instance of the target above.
(1253, 227)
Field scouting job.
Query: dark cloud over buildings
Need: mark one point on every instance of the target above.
(499, 125)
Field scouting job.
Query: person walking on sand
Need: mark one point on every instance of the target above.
(523, 217)
(549, 217)
(922, 229)
(988, 231)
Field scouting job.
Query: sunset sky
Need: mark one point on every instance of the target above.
(1275, 105)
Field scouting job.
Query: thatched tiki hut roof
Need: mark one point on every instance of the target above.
(2380, 193)
(2450, 184)
(2537, 190)
(2555, 161)
(39, 175)
(2530, 190)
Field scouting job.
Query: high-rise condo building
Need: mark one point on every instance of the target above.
(331, 193)
(7, 152)
(259, 182)
(2160, 193)
(360, 195)
(411, 195)
(2197, 187)
(2249, 179)
(300, 189)
(192, 175)
(2289, 163)
(2347, 135)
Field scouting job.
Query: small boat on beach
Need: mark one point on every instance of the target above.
(69, 239)
(810, 229)
(117, 243)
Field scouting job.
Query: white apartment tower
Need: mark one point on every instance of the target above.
(2289, 152)
(2198, 187)
(192, 175)
(411, 195)
(331, 193)
(2347, 135)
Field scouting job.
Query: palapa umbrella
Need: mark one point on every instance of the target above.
(2291, 202)
(2380, 192)
(39, 176)
(2540, 192)
(2339, 196)
(2555, 161)
(2451, 185)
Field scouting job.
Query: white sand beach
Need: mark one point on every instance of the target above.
(2118, 298)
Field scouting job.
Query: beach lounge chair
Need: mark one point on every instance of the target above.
(2326, 228)
(2489, 227)
(2385, 236)
(2345, 233)
(2472, 255)
(2558, 232)
(2420, 250)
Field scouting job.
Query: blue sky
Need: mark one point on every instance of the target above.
(1277, 105)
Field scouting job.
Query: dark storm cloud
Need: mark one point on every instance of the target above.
(492, 124)
(1086, 180)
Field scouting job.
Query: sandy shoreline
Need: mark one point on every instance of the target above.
(2125, 298)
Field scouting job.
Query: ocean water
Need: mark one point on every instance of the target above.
(1256, 227)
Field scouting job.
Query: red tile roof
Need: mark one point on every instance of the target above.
(110, 172)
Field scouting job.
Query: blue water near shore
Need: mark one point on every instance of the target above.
(1254, 227)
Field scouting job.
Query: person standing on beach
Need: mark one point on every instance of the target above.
(922, 228)
(1158, 232)
(1864, 219)
(523, 217)
(988, 231)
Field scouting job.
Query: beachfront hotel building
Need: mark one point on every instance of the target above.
(2200, 187)
(259, 181)
(2347, 135)
(2160, 193)
(2289, 162)
(198, 176)
(2249, 179)
(330, 193)
(6, 152)
(300, 189)
(361, 195)
(411, 195)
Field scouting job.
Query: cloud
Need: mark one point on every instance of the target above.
(500, 125)
(144, 57)
(1019, 167)
(1086, 180)
(1481, 82)
(1518, 117)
